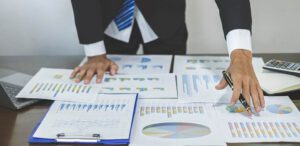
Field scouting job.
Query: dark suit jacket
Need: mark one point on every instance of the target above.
(164, 16)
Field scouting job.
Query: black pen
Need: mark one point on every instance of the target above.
(229, 81)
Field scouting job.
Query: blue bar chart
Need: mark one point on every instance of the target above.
(199, 87)
(91, 107)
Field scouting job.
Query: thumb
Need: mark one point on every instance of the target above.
(222, 84)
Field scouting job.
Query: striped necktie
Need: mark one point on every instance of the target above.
(125, 17)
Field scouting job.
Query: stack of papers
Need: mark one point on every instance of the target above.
(180, 108)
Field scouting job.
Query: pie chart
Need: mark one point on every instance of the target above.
(235, 108)
(176, 130)
(279, 109)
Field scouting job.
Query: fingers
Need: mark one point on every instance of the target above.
(80, 75)
(113, 69)
(96, 65)
(260, 95)
(255, 97)
(250, 89)
(246, 89)
(100, 74)
(89, 75)
(237, 87)
(222, 84)
(245, 80)
(75, 71)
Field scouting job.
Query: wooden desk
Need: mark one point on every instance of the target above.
(16, 126)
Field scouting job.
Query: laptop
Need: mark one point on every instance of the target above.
(11, 83)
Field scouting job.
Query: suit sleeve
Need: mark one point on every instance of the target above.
(235, 14)
(88, 16)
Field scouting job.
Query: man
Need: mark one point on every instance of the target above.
(120, 26)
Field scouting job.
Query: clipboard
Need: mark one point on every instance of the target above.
(94, 138)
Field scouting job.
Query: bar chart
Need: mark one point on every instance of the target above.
(56, 88)
(199, 87)
(264, 129)
(170, 110)
(83, 107)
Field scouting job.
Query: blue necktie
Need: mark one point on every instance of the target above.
(125, 17)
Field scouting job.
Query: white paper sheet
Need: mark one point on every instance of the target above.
(148, 86)
(55, 84)
(140, 64)
(197, 77)
(192, 64)
(166, 122)
(279, 121)
(200, 87)
(110, 116)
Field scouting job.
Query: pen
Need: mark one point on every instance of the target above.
(229, 81)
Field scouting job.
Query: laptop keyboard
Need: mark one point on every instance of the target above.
(12, 91)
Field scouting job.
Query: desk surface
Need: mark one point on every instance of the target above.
(16, 126)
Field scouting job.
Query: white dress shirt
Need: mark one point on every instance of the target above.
(236, 39)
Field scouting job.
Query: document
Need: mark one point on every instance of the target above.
(141, 64)
(166, 122)
(197, 77)
(110, 116)
(161, 122)
(278, 122)
(55, 84)
(148, 86)
(192, 64)
(200, 87)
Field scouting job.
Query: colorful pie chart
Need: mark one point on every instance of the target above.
(176, 130)
(279, 109)
(235, 108)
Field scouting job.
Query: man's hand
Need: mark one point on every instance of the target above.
(244, 79)
(96, 65)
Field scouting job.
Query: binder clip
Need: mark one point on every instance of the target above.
(64, 138)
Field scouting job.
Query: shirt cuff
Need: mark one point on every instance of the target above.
(239, 39)
(94, 49)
